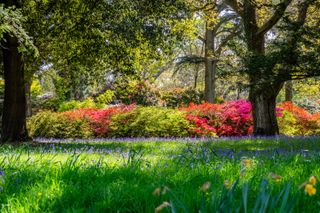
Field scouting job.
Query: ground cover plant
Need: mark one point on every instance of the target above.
(162, 175)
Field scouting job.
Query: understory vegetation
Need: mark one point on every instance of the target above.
(233, 118)
(247, 175)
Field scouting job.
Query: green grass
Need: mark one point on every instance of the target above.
(122, 176)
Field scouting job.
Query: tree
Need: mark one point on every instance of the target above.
(220, 26)
(78, 37)
(268, 68)
(14, 41)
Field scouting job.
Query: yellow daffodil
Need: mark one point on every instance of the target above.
(312, 180)
(310, 190)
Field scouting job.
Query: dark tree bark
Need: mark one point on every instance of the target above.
(28, 97)
(210, 66)
(14, 109)
(263, 102)
(288, 91)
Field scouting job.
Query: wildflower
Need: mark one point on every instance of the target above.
(275, 176)
(157, 191)
(205, 186)
(312, 180)
(227, 184)
(310, 190)
(162, 206)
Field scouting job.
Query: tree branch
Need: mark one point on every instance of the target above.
(226, 40)
(281, 8)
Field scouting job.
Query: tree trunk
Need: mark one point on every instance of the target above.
(264, 110)
(210, 67)
(196, 75)
(288, 91)
(28, 98)
(14, 109)
(263, 93)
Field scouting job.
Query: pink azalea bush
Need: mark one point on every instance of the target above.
(228, 119)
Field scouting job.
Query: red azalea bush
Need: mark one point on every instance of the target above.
(228, 119)
(100, 119)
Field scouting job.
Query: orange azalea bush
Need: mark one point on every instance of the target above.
(298, 121)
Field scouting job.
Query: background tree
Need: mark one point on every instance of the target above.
(268, 68)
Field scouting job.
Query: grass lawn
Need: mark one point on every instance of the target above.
(254, 175)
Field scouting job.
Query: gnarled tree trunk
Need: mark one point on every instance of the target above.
(14, 108)
(263, 102)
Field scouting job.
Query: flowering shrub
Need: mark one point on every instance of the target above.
(100, 119)
(298, 121)
(229, 119)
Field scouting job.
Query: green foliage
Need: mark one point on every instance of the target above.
(35, 89)
(106, 97)
(51, 104)
(72, 105)
(54, 125)
(12, 21)
(136, 91)
(179, 97)
(150, 122)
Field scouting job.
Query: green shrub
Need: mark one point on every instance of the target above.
(72, 105)
(35, 89)
(141, 92)
(179, 97)
(106, 97)
(51, 104)
(150, 122)
(56, 125)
